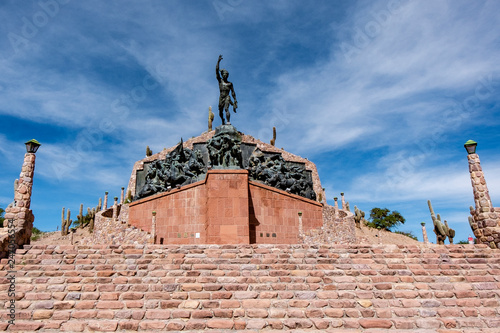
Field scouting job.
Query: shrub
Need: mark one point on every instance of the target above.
(381, 218)
(36, 234)
(407, 234)
(1, 217)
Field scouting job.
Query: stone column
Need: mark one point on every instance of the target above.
(424, 233)
(336, 206)
(153, 228)
(479, 188)
(105, 206)
(301, 229)
(485, 220)
(122, 195)
(115, 209)
(20, 211)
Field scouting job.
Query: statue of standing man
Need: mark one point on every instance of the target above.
(225, 87)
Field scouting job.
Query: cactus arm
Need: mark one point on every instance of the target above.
(471, 222)
(439, 227)
(63, 222)
(430, 208)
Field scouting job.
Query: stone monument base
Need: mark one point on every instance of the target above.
(226, 208)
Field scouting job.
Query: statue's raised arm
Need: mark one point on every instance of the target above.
(217, 68)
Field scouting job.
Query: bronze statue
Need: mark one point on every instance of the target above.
(225, 87)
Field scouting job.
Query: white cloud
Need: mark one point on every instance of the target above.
(414, 67)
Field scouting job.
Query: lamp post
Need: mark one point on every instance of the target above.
(301, 230)
(481, 194)
(20, 211)
(424, 233)
(485, 219)
(153, 227)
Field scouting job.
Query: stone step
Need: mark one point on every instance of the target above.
(451, 288)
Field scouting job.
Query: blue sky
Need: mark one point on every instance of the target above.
(381, 95)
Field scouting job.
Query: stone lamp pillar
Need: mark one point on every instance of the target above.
(481, 193)
(485, 218)
(105, 200)
(153, 227)
(301, 230)
(336, 207)
(20, 210)
(115, 209)
(122, 195)
(424, 233)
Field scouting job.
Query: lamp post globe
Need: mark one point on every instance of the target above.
(32, 146)
(470, 146)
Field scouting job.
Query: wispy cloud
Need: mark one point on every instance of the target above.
(419, 62)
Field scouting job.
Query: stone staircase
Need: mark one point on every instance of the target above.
(335, 288)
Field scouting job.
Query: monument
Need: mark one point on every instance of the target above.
(225, 187)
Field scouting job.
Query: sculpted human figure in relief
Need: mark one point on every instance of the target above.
(225, 88)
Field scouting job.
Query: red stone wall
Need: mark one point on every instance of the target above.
(226, 208)
(274, 215)
(180, 215)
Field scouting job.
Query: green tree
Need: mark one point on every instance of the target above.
(1, 217)
(383, 218)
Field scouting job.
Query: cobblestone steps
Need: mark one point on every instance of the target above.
(336, 288)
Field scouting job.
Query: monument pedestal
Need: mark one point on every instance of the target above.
(227, 203)
(225, 208)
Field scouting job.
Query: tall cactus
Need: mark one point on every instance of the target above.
(80, 217)
(273, 140)
(210, 118)
(128, 199)
(359, 216)
(91, 216)
(99, 206)
(451, 232)
(65, 222)
(441, 230)
(472, 223)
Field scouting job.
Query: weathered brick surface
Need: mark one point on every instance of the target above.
(255, 287)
